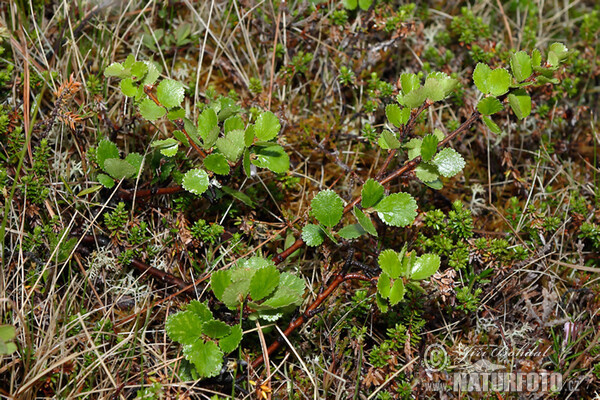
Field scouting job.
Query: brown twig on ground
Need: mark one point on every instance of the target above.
(144, 193)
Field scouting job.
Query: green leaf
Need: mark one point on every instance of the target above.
(244, 198)
(266, 126)
(216, 163)
(372, 193)
(150, 110)
(414, 148)
(184, 327)
(236, 292)
(351, 231)
(520, 64)
(536, 58)
(365, 4)
(498, 82)
(139, 70)
(7, 333)
(480, 77)
(449, 162)
(559, 52)
(106, 149)
(425, 266)
(397, 116)
(396, 292)
(439, 134)
(249, 135)
(106, 181)
(398, 209)
(231, 342)
(201, 310)
(489, 106)
(329, 234)
(136, 160)
(206, 357)
(208, 127)
(170, 93)
(520, 102)
(176, 113)
(219, 280)
(167, 147)
(216, 329)
(390, 263)
(313, 235)
(350, 4)
(128, 88)
(413, 99)
(388, 140)
(227, 108)
(152, 75)
(384, 284)
(116, 69)
(439, 85)
(327, 207)
(232, 144)
(427, 172)
(365, 221)
(381, 303)
(195, 181)
(491, 125)
(264, 281)
(129, 61)
(409, 82)
(429, 147)
(119, 169)
(233, 123)
(436, 184)
(272, 157)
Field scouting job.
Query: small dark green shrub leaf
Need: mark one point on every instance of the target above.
(195, 181)
(520, 64)
(372, 193)
(106, 149)
(272, 157)
(231, 145)
(327, 207)
(216, 329)
(150, 110)
(170, 93)
(351, 231)
(167, 147)
(267, 126)
(208, 127)
(136, 160)
(231, 342)
(491, 125)
(520, 102)
(106, 181)
(398, 209)
(388, 140)
(449, 162)
(201, 310)
(264, 281)
(216, 163)
(536, 58)
(436, 184)
(384, 284)
(233, 123)
(219, 280)
(428, 147)
(427, 172)
(365, 221)
(119, 169)
(425, 266)
(184, 327)
(206, 357)
(396, 292)
(313, 235)
(489, 106)
(390, 263)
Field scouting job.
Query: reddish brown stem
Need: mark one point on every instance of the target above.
(144, 193)
(163, 276)
(298, 322)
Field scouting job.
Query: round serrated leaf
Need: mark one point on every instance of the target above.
(233, 123)
(106, 149)
(264, 281)
(206, 357)
(425, 266)
(216, 329)
(106, 181)
(216, 163)
(119, 169)
(414, 148)
(170, 93)
(115, 69)
(152, 75)
(449, 162)
(480, 77)
(498, 82)
(390, 263)
(520, 64)
(272, 157)
(396, 292)
(184, 327)
(201, 310)
(352, 231)
(231, 342)
(397, 116)
(388, 140)
(409, 82)
(128, 88)
(428, 147)
(520, 102)
(372, 193)
(327, 207)
(219, 280)
(398, 209)
(267, 126)
(150, 110)
(384, 284)
(313, 235)
(427, 172)
(195, 181)
(489, 106)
